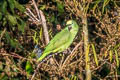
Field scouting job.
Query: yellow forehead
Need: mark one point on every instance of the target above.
(69, 22)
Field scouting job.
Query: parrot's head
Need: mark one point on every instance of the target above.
(72, 26)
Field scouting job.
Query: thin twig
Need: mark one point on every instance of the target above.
(72, 54)
(32, 15)
(31, 18)
(16, 56)
(35, 71)
(36, 8)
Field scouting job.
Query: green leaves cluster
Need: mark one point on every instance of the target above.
(9, 18)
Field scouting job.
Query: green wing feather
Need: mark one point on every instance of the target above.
(56, 43)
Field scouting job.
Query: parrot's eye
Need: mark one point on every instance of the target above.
(69, 28)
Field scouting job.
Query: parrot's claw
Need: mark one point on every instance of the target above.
(68, 51)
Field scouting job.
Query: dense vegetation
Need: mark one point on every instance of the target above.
(24, 24)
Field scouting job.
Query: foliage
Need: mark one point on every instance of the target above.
(11, 21)
(19, 35)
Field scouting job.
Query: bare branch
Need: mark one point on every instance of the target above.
(44, 27)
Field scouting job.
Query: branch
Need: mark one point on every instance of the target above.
(41, 18)
(44, 27)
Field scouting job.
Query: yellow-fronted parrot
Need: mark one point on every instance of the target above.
(62, 40)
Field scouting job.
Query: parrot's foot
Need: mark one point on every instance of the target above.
(48, 57)
(68, 51)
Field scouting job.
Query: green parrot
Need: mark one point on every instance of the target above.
(62, 40)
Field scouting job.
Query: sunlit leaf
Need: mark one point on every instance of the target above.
(42, 7)
(116, 57)
(95, 56)
(116, 46)
(96, 5)
(35, 39)
(104, 4)
(41, 33)
(19, 7)
(12, 19)
(74, 77)
(111, 54)
(87, 57)
(60, 7)
(106, 53)
(28, 67)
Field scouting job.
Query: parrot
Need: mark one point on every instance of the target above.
(62, 40)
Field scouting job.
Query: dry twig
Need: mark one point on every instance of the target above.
(72, 54)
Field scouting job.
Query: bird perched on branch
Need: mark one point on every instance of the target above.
(62, 40)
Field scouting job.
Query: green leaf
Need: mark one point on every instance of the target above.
(7, 37)
(42, 7)
(4, 77)
(3, 6)
(116, 57)
(19, 7)
(96, 5)
(21, 24)
(95, 56)
(35, 39)
(29, 67)
(60, 7)
(12, 42)
(9, 40)
(106, 2)
(4, 21)
(110, 55)
(11, 5)
(116, 46)
(41, 33)
(12, 19)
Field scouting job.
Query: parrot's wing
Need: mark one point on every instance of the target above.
(60, 39)
(57, 44)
